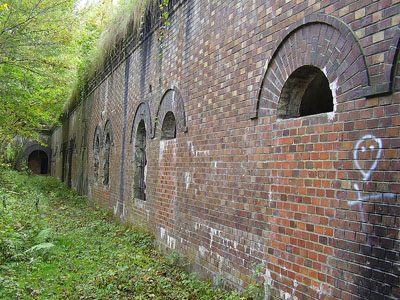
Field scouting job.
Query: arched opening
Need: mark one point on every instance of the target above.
(96, 162)
(305, 93)
(140, 163)
(38, 162)
(107, 147)
(168, 130)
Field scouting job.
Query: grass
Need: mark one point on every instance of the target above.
(54, 246)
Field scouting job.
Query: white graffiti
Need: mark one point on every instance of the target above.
(367, 154)
(367, 143)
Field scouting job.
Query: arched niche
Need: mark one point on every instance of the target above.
(98, 133)
(38, 162)
(108, 131)
(37, 158)
(306, 92)
(171, 103)
(142, 113)
(97, 141)
(107, 143)
(168, 127)
(140, 133)
(324, 42)
(140, 162)
(394, 56)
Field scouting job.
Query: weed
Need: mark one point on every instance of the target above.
(69, 250)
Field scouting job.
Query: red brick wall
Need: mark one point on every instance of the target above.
(313, 200)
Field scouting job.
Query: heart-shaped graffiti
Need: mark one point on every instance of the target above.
(367, 143)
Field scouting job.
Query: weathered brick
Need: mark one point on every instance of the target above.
(313, 198)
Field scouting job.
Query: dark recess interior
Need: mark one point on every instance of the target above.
(38, 162)
(317, 97)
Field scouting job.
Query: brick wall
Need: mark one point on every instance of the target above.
(313, 200)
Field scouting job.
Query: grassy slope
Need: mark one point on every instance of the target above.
(68, 250)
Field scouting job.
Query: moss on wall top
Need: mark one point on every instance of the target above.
(133, 20)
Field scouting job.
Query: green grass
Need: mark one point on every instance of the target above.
(69, 250)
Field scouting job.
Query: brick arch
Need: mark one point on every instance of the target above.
(172, 100)
(321, 41)
(31, 147)
(394, 57)
(142, 113)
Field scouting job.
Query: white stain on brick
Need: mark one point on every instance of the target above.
(162, 148)
(116, 208)
(267, 283)
(139, 203)
(171, 242)
(285, 296)
(213, 233)
(190, 145)
(226, 242)
(295, 284)
(221, 261)
(187, 179)
(162, 232)
(202, 153)
(334, 87)
(202, 251)
(173, 98)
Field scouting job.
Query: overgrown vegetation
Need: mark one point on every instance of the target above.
(51, 50)
(126, 24)
(35, 71)
(54, 246)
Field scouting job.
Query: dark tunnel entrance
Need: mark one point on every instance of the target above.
(38, 162)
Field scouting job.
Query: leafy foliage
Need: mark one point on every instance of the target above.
(35, 71)
(124, 24)
(50, 50)
(68, 250)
